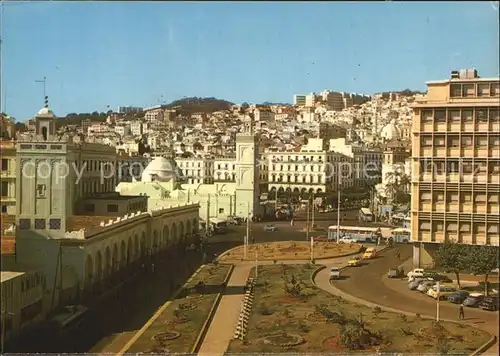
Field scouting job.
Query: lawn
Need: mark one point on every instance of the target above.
(291, 250)
(178, 327)
(284, 313)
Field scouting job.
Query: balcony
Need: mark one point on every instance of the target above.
(426, 152)
(482, 126)
(452, 207)
(454, 126)
(481, 178)
(425, 206)
(439, 236)
(494, 178)
(453, 177)
(425, 236)
(439, 152)
(454, 152)
(493, 209)
(452, 236)
(466, 238)
(427, 127)
(468, 126)
(467, 152)
(494, 126)
(440, 177)
(439, 207)
(466, 207)
(468, 178)
(481, 152)
(440, 126)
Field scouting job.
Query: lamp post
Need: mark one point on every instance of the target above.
(438, 286)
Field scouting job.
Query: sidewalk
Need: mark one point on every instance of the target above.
(221, 329)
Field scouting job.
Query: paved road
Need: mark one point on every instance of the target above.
(369, 283)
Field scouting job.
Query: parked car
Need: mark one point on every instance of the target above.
(270, 228)
(444, 291)
(458, 297)
(235, 220)
(396, 272)
(473, 300)
(354, 262)
(347, 240)
(424, 286)
(490, 303)
(417, 272)
(334, 273)
(438, 277)
(414, 283)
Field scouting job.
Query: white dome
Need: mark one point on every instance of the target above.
(45, 112)
(390, 132)
(160, 169)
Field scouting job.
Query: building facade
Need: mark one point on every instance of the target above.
(455, 165)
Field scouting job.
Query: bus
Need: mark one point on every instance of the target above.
(358, 233)
(219, 226)
(365, 215)
(401, 234)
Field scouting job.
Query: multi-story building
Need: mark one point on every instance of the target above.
(136, 128)
(122, 130)
(456, 164)
(154, 114)
(8, 177)
(129, 109)
(263, 115)
(299, 100)
(197, 170)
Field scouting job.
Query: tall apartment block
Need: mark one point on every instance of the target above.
(455, 164)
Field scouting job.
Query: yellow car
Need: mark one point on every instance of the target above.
(354, 262)
(444, 291)
(369, 253)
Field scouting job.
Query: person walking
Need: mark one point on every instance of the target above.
(398, 256)
(461, 314)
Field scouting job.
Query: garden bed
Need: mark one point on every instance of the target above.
(329, 324)
(291, 250)
(176, 330)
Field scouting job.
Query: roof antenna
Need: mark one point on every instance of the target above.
(44, 82)
(46, 102)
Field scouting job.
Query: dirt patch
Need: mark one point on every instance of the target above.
(332, 344)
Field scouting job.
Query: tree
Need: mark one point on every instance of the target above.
(453, 258)
(482, 260)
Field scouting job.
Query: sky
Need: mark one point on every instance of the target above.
(100, 54)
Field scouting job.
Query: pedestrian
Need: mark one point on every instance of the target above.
(398, 256)
(292, 222)
(461, 315)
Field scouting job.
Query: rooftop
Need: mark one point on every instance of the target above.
(78, 222)
(8, 243)
(6, 275)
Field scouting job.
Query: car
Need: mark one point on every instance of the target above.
(235, 220)
(369, 253)
(396, 272)
(414, 283)
(320, 238)
(334, 273)
(490, 303)
(347, 240)
(458, 297)
(354, 262)
(417, 272)
(438, 277)
(473, 300)
(444, 291)
(270, 228)
(424, 286)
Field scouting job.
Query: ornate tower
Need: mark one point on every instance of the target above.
(247, 172)
(45, 122)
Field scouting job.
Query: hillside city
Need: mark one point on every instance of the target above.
(340, 223)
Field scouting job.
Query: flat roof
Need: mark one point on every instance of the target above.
(78, 222)
(458, 80)
(6, 275)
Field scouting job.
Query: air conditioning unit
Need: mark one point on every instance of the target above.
(455, 74)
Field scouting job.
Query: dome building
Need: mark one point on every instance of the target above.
(390, 132)
(161, 169)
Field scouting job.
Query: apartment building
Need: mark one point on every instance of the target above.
(8, 177)
(197, 170)
(455, 164)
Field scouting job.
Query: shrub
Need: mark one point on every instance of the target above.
(443, 347)
(304, 327)
(376, 311)
(265, 310)
(403, 318)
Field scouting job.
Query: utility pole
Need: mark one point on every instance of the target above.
(207, 225)
(313, 208)
(338, 203)
(312, 249)
(2, 103)
(307, 221)
(256, 261)
(438, 286)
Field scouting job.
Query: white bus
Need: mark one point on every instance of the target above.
(357, 233)
(401, 234)
(365, 214)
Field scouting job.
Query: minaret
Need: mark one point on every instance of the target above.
(247, 171)
(45, 121)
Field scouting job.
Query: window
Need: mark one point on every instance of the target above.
(455, 90)
(439, 197)
(55, 224)
(454, 141)
(451, 227)
(494, 115)
(493, 198)
(453, 197)
(454, 115)
(483, 89)
(465, 227)
(89, 208)
(482, 115)
(4, 208)
(5, 189)
(479, 228)
(40, 190)
(482, 141)
(39, 224)
(439, 141)
(493, 168)
(468, 90)
(467, 168)
(425, 225)
(427, 141)
(112, 208)
(221, 210)
(440, 115)
(495, 141)
(479, 198)
(467, 115)
(5, 164)
(440, 168)
(437, 226)
(452, 167)
(427, 115)
(466, 197)
(495, 89)
(466, 141)
(493, 229)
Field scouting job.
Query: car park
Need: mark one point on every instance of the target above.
(424, 286)
(396, 273)
(270, 228)
(443, 292)
(458, 297)
(354, 262)
(473, 300)
(490, 303)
